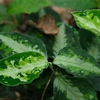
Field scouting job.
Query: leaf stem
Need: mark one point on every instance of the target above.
(48, 82)
(51, 67)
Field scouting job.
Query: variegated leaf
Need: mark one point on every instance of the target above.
(67, 88)
(77, 62)
(22, 68)
(89, 20)
(65, 37)
(11, 43)
(94, 48)
(91, 43)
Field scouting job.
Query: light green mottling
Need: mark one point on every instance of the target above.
(18, 46)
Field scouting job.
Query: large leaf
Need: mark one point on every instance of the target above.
(66, 37)
(75, 4)
(67, 88)
(11, 43)
(89, 20)
(26, 6)
(91, 43)
(77, 62)
(22, 68)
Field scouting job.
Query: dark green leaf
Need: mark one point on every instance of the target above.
(66, 37)
(22, 68)
(96, 83)
(91, 43)
(75, 4)
(67, 88)
(25, 6)
(11, 43)
(77, 62)
(89, 20)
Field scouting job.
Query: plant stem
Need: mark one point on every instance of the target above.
(44, 91)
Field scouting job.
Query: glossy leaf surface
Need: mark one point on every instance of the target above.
(22, 68)
(89, 20)
(25, 6)
(77, 62)
(67, 88)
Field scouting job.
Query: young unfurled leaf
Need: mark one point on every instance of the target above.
(47, 25)
(22, 68)
(67, 88)
(89, 20)
(11, 43)
(77, 62)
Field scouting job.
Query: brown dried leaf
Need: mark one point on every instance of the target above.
(47, 25)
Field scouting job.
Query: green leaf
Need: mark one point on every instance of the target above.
(94, 48)
(89, 20)
(75, 4)
(77, 62)
(22, 68)
(91, 43)
(66, 37)
(25, 6)
(67, 88)
(11, 43)
(2, 12)
(96, 83)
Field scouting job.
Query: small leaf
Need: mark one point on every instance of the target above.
(22, 68)
(11, 43)
(75, 4)
(77, 62)
(24, 6)
(89, 20)
(67, 88)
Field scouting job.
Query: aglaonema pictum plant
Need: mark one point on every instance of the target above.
(74, 56)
